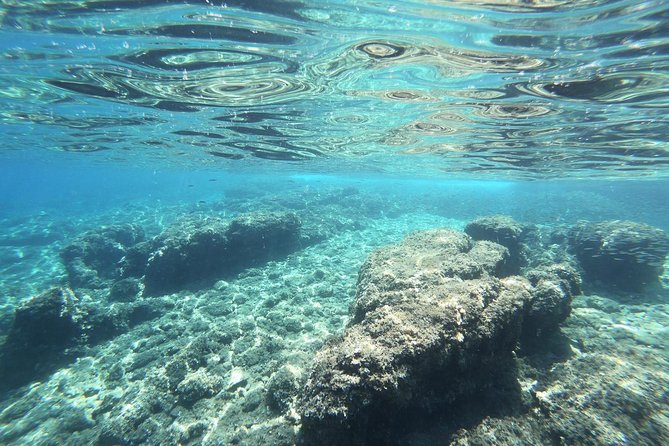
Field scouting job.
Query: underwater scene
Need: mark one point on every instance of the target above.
(334, 222)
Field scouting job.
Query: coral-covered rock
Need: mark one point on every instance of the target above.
(620, 254)
(93, 260)
(432, 322)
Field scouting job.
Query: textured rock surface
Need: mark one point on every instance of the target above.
(505, 231)
(204, 250)
(431, 324)
(93, 260)
(553, 289)
(43, 328)
(50, 328)
(620, 254)
(185, 253)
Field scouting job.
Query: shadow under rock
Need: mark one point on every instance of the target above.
(52, 329)
(542, 352)
(500, 397)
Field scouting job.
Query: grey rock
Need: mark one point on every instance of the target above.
(93, 260)
(432, 321)
(206, 250)
(554, 287)
(282, 388)
(505, 231)
(620, 254)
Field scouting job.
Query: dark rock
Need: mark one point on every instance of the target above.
(124, 290)
(432, 322)
(138, 312)
(277, 432)
(93, 260)
(206, 250)
(43, 328)
(191, 251)
(553, 290)
(620, 254)
(136, 257)
(48, 320)
(282, 387)
(124, 427)
(197, 386)
(175, 371)
(252, 400)
(51, 328)
(103, 322)
(503, 230)
(256, 238)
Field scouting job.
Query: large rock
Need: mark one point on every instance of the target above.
(554, 286)
(205, 250)
(43, 328)
(258, 237)
(51, 328)
(620, 254)
(432, 322)
(93, 260)
(188, 252)
(505, 231)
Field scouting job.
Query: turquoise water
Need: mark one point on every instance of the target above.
(156, 155)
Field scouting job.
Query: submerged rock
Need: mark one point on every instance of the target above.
(192, 251)
(620, 254)
(283, 387)
(258, 237)
(43, 328)
(503, 230)
(124, 290)
(93, 260)
(51, 328)
(206, 250)
(432, 322)
(198, 385)
(554, 287)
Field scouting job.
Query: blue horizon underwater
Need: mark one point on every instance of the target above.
(334, 223)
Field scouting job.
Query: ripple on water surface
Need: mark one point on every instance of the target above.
(497, 87)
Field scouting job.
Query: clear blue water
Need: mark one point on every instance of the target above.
(435, 112)
(484, 89)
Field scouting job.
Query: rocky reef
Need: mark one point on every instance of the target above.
(93, 259)
(107, 270)
(253, 330)
(191, 252)
(199, 250)
(433, 319)
(505, 231)
(620, 254)
(53, 327)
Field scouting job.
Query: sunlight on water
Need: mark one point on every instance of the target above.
(334, 222)
(497, 88)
